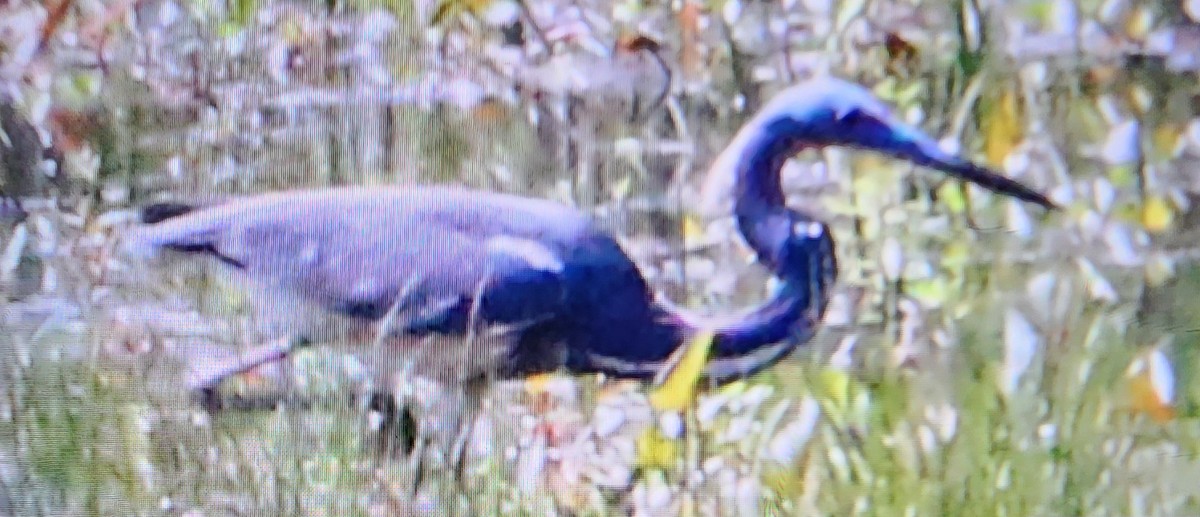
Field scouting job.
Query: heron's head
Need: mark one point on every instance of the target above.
(818, 113)
(829, 111)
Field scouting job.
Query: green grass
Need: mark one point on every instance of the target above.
(934, 436)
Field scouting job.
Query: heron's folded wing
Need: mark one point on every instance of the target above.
(518, 284)
(421, 267)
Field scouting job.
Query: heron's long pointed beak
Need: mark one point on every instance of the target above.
(908, 143)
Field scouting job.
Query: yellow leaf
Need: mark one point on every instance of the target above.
(931, 292)
(734, 388)
(444, 11)
(784, 480)
(491, 111)
(911, 93)
(1139, 22)
(886, 89)
(1144, 400)
(679, 389)
(693, 230)
(1166, 139)
(1152, 386)
(538, 383)
(1123, 176)
(655, 450)
(837, 387)
(956, 255)
(1001, 127)
(951, 195)
(1157, 215)
(875, 180)
(620, 189)
(451, 8)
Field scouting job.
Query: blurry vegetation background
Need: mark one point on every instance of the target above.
(980, 358)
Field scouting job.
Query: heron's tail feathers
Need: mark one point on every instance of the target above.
(159, 212)
(147, 239)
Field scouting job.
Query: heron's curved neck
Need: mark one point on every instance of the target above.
(761, 158)
(796, 248)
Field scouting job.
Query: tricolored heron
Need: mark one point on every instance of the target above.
(473, 285)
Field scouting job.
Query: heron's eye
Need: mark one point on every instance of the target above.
(808, 229)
